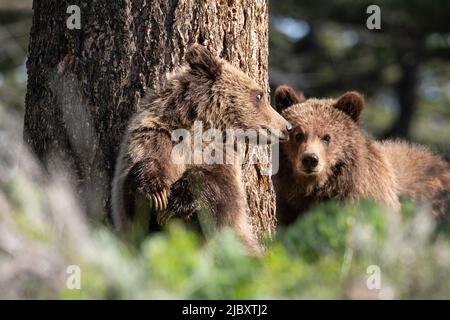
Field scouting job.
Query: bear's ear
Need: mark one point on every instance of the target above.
(201, 59)
(351, 103)
(285, 96)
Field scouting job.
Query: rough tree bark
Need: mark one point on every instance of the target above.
(84, 84)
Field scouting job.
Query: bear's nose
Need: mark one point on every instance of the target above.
(288, 128)
(310, 161)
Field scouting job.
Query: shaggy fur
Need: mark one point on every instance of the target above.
(210, 90)
(349, 164)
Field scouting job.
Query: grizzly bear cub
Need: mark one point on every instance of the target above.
(329, 156)
(210, 90)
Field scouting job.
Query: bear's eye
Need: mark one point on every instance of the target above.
(299, 136)
(326, 138)
(259, 96)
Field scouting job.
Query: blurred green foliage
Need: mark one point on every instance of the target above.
(325, 255)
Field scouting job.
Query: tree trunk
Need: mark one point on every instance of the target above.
(84, 84)
(407, 99)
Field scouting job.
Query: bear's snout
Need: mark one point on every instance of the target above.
(310, 161)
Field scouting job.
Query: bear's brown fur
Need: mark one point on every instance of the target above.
(210, 90)
(329, 156)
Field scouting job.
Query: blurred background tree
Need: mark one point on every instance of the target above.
(15, 24)
(324, 48)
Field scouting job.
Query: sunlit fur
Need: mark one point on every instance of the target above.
(206, 89)
(352, 165)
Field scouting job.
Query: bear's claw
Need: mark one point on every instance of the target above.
(159, 200)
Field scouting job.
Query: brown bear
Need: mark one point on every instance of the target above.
(329, 156)
(210, 90)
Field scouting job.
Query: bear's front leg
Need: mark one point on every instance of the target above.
(149, 177)
(184, 199)
(220, 189)
(152, 171)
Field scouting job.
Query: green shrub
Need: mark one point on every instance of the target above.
(329, 253)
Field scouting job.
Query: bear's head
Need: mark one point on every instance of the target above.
(224, 97)
(325, 136)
